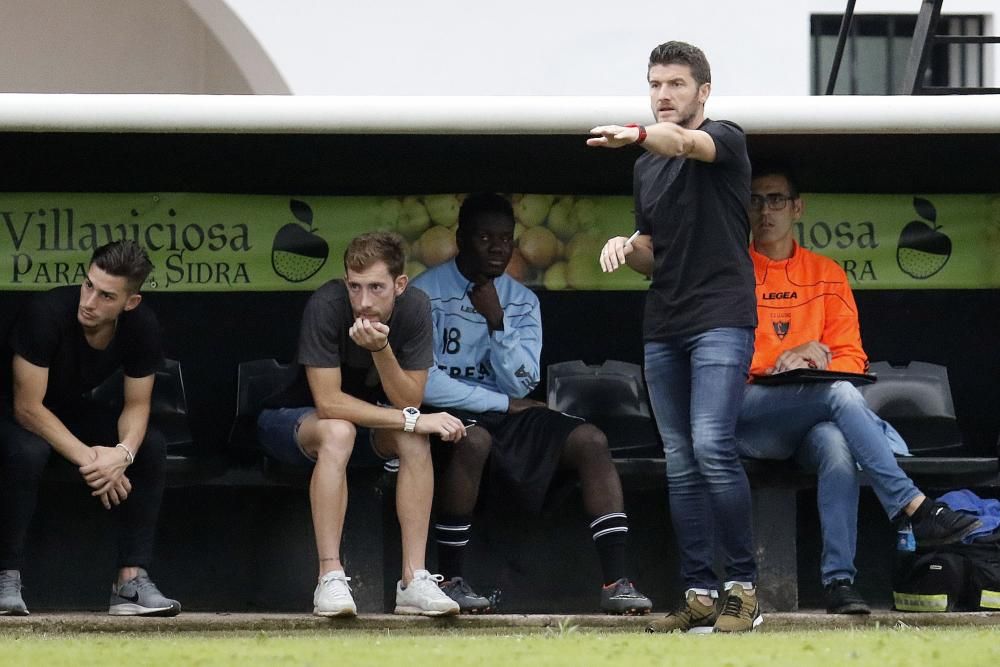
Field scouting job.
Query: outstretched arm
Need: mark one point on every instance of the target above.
(666, 139)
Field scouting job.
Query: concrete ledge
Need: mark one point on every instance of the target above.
(222, 622)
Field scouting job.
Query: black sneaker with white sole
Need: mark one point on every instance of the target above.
(141, 597)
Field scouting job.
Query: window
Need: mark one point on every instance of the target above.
(875, 55)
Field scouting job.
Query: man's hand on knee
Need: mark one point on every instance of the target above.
(441, 424)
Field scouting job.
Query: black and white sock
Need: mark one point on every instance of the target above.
(452, 535)
(609, 532)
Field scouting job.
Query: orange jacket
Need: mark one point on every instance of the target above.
(804, 298)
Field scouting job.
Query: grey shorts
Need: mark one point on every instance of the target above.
(278, 433)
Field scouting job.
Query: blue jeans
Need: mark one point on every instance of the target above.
(695, 389)
(828, 428)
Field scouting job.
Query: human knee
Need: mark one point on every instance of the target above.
(587, 444)
(335, 440)
(154, 444)
(411, 448)
(682, 467)
(474, 448)
(23, 451)
(845, 394)
(827, 451)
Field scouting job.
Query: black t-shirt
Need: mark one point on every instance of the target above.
(696, 213)
(48, 334)
(325, 343)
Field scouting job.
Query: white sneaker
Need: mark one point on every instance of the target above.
(424, 597)
(333, 596)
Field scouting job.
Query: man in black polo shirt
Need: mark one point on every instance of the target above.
(67, 342)
(692, 189)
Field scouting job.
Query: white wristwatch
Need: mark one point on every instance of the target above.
(410, 415)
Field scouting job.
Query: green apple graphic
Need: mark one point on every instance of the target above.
(530, 209)
(562, 222)
(298, 252)
(922, 250)
(413, 218)
(443, 209)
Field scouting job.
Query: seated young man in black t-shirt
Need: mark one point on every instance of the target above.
(364, 350)
(69, 340)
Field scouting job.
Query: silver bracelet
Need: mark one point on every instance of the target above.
(128, 453)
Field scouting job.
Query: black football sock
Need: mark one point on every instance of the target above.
(609, 531)
(452, 535)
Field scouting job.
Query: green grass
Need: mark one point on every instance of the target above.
(564, 646)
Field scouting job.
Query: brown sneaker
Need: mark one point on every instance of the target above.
(741, 612)
(693, 617)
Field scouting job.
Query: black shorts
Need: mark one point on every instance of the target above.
(525, 454)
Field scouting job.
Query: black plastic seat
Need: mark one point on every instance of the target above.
(168, 411)
(255, 381)
(916, 399)
(613, 397)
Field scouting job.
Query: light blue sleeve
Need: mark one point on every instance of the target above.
(446, 392)
(516, 351)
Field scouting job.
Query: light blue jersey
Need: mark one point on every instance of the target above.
(476, 370)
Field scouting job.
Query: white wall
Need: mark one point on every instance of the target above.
(543, 47)
(397, 47)
(113, 46)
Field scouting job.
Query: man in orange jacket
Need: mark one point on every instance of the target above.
(807, 319)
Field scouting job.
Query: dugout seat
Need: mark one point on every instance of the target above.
(168, 408)
(168, 413)
(613, 397)
(255, 381)
(916, 399)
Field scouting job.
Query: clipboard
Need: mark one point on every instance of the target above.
(805, 375)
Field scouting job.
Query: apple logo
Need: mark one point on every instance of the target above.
(298, 252)
(922, 250)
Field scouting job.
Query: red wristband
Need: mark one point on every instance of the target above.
(642, 132)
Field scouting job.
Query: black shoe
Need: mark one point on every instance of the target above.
(842, 598)
(469, 602)
(620, 597)
(943, 525)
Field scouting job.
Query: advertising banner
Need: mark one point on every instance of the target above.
(221, 242)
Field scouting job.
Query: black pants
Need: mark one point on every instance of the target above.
(23, 458)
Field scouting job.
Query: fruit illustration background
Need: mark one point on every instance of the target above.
(888, 241)
(231, 242)
(558, 237)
